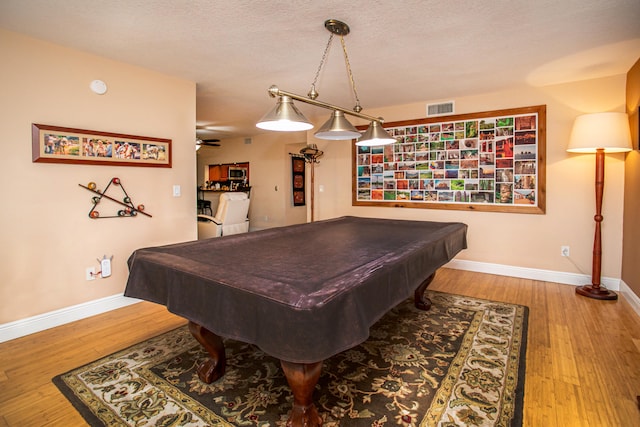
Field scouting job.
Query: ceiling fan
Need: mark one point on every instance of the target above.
(207, 142)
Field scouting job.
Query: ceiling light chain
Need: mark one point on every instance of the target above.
(312, 92)
(357, 108)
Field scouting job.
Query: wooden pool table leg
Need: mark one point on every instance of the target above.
(302, 378)
(213, 368)
(421, 302)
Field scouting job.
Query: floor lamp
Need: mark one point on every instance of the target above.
(599, 133)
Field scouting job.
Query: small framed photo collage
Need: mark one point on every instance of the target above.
(54, 144)
(491, 161)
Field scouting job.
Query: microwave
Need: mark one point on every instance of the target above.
(237, 174)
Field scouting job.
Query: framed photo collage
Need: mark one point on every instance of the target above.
(54, 144)
(489, 161)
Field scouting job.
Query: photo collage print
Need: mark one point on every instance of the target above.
(491, 160)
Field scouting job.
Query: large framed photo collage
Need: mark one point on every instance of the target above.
(488, 161)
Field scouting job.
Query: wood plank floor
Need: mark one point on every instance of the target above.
(583, 355)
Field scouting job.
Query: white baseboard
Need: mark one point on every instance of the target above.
(30, 325)
(630, 296)
(548, 276)
(20, 328)
(531, 273)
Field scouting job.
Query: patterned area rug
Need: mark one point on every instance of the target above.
(459, 364)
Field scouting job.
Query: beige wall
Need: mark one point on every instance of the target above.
(270, 175)
(631, 252)
(521, 240)
(47, 238)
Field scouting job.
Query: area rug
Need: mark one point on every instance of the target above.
(459, 364)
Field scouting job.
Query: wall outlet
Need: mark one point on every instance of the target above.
(564, 250)
(90, 273)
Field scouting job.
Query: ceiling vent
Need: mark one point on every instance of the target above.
(440, 109)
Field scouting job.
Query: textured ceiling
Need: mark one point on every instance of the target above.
(400, 51)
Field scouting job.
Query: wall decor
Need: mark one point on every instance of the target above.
(298, 179)
(487, 161)
(129, 208)
(53, 144)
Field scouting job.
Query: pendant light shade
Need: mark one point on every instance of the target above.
(284, 117)
(337, 128)
(375, 135)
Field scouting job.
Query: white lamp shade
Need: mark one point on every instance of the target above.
(284, 117)
(337, 128)
(375, 135)
(608, 131)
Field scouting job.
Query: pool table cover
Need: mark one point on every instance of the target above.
(301, 293)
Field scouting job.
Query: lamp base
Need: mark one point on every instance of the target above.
(597, 292)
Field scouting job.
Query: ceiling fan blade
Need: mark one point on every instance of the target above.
(208, 142)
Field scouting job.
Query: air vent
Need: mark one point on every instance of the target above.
(440, 109)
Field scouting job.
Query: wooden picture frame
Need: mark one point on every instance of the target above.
(54, 144)
(488, 161)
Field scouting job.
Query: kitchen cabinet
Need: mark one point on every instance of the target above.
(220, 173)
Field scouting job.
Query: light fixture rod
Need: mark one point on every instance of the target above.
(274, 92)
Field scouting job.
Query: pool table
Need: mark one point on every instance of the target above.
(301, 293)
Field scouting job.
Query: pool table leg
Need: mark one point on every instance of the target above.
(302, 378)
(213, 368)
(421, 302)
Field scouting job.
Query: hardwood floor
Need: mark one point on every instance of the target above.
(583, 355)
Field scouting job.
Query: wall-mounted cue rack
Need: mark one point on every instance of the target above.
(129, 208)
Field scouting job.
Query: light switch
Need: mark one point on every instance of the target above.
(176, 191)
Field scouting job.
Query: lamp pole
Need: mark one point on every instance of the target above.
(594, 290)
(311, 155)
(313, 189)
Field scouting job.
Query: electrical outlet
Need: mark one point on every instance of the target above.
(90, 273)
(564, 250)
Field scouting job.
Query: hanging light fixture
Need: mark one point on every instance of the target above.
(286, 117)
(375, 135)
(337, 128)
